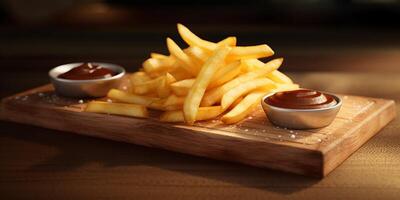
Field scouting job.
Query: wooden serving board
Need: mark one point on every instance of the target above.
(255, 141)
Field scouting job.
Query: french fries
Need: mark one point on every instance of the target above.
(181, 88)
(158, 56)
(259, 51)
(244, 108)
(182, 57)
(126, 97)
(193, 99)
(243, 89)
(204, 113)
(193, 40)
(133, 110)
(164, 89)
(203, 81)
(225, 74)
(214, 95)
(154, 65)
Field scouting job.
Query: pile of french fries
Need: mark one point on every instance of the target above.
(204, 81)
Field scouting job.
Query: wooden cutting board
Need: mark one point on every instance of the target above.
(255, 141)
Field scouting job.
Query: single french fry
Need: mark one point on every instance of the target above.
(225, 74)
(229, 41)
(159, 105)
(193, 40)
(215, 95)
(117, 109)
(182, 87)
(180, 74)
(248, 52)
(196, 92)
(243, 89)
(126, 97)
(154, 65)
(204, 113)
(148, 86)
(182, 58)
(138, 78)
(197, 54)
(173, 100)
(244, 108)
(279, 77)
(164, 89)
(158, 56)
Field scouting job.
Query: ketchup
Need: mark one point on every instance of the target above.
(87, 71)
(301, 99)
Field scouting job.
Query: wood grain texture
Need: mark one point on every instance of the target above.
(254, 141)
(38, 163)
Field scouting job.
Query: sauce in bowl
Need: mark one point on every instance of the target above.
(301, 99)
(87, 71)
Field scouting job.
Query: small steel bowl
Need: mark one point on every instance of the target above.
(301, 118)
(85, 88)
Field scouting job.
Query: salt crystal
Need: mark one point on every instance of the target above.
(124, 87)
(109, 100)
(279, 136)
(80, 101)
(250, 117)
(291, 131)
(292, 136)
(246, 129)
(319, 140)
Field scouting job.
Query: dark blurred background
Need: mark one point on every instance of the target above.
(312, 35)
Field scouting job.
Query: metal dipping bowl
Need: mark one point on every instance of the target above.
(85, 88)
(301, 118)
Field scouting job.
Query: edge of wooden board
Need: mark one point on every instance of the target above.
(353, 138)
(152, 133)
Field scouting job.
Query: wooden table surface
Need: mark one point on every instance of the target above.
(37, 163)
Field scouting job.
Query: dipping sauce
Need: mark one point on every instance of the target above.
(301, 99)
(87, 71)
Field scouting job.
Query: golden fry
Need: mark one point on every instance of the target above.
(138, 78)
(158, 56)
(193, 99)
(126, 97)
(229, 41)
(279, 77)
(148, 86)
(183, 59)
(242, 89)
(182, 87)
(244, 108)
(197, 54)
(193, 40)
(117, 109)
(225, 74)
(258, 51)
(204, 113)
(173, 100)
(215, 95)
(164, 89)
(154, 65)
